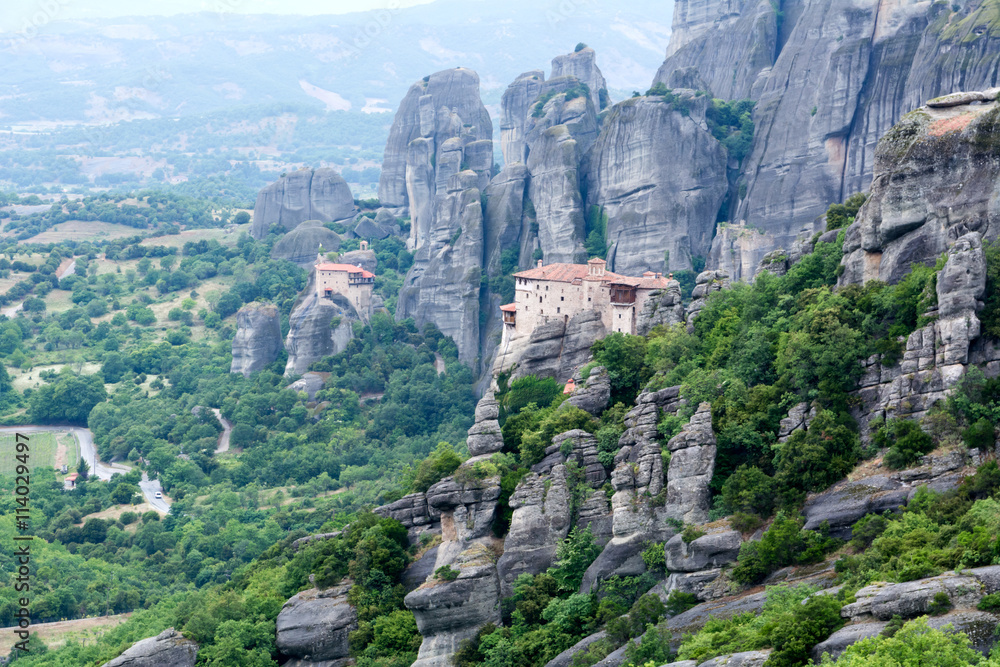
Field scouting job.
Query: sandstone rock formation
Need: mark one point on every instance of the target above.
(302, 244)
(317, 328)
(449, 612)
(555, 349)
(437, 163)
(935, 181)
(592, 393)
(829, 80)
(691, 467)
(936, 355)
(167, 649)
(484, 436)
(706, 283)
(663, 307)
(540, 521)
(258, 337)
(661, 212)
(302, 195)
(314, 626)
(582, 65)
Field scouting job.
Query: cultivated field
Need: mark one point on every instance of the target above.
(42, 452)
(83, 230)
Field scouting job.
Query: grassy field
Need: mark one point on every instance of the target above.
(84, 631)
(42, 452)
(84, 230)
(177, 240)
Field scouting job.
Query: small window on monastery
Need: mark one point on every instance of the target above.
(546, 288)
(562, 298)
(588, 299)
(619, 315)
(558, 310)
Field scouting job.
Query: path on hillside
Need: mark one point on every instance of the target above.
(66, 268)
(227, 428)
(104, 471)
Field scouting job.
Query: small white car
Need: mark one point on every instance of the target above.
(157, 495)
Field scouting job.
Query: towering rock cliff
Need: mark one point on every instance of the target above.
(582, 65)
(302, 195)
(258, 338)
(660, 178)
(317, 328)
(936, 179)
(437, 163)
(829, 79)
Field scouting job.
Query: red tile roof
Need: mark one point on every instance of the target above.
(509, 308)
(563, 273)
(348, 268)
(645, 282)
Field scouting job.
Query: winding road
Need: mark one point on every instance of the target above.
(103, 470)
(227, 428)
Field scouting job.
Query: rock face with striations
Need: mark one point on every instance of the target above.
(692, 465)
(582, 65)
(936, 179)
(258, 338)
(437, 163)
(314, 627)
(540, 521)
(829, 79)
(936, 355)
(555, 349)
(302, 195)
(661, 211)
(317, 328)
(167, 649)
(663, 307)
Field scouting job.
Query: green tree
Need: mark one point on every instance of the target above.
(914, 645)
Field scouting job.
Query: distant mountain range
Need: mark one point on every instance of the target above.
(153, 67)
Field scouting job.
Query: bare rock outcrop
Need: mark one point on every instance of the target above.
(484, 436)
(843, 504)
(661, 213)
(167, 649)
(540, 521)
(302, 244)
(706, 283)
(582, 65)
(302, 195)
(515, 106)
(935, 182)
(366, 259)
(555, 349)
(663, 307)
(314, 626)
(592, 393)
(258, 338)
(437, 163)
(692, 464)
(317, 328)
(715, 549)
(936, 355)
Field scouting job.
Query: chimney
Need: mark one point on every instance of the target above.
(659, 275)
(539, 264)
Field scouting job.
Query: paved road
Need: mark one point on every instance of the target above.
(226, 430)
(103, 470)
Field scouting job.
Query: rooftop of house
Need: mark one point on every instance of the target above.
(565, 273)
(574, 273)
(346, 268)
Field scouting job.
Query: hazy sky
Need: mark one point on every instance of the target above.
(20, 15)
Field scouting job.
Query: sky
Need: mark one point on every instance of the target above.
(25, 15)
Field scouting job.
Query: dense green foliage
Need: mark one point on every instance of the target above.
(841, 215)
(914, 645)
